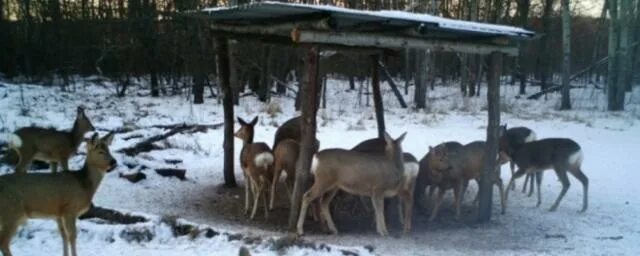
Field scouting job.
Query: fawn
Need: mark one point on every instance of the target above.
(61, 196)
(50, 145)
(357, 173)
(256, 160)
(443, 175)
(559, 154)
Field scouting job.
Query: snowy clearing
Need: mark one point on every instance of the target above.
(609, 142)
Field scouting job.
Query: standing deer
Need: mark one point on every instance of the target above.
(411, 168)
(357, 173)
(559, 154)
(50, 145)
(61, 196)
(443, 174)
(510, 141)
(470, 160)
(286, 156)
(256, 160)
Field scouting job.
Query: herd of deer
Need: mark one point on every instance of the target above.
(377, 168)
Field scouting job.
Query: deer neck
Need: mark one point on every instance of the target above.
(248, 140)
(91, 178)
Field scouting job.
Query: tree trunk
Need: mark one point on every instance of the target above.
(614, 103)
(420, 93)
(377, 96)
(407, 71)
(523, 15)
(566, 55)
(234, 77)
(309, 92)
(489, 163)
(545, 65)
(222, 56)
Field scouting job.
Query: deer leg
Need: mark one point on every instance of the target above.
(247, 187)
(436, 204)
(465, 185)
(538, 177)
(526, 182)
(257, 189)
(531, 177)
(457, 194)
(264, 189)
(6, 233)
(324, 210)
(54, 166)
(516, 175)
(585, 186)
(65, 164)
(313, 193)
(378, 207)
(562, 175)
(513, 167)
(24, 161)
(276, 177)
(476, 200)
(62, 227)
(70, 227)
(498, 182)
(408, 211)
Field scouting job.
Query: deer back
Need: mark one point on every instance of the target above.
(548, 153)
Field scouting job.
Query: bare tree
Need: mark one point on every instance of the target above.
(566, 55)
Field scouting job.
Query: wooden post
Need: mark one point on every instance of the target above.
(222, 57)
(377, 96)
(490, 165)
(309, 98)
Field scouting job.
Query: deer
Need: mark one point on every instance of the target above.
(356, 173)
(443, 176)
(510, 140)
(256, 160)
(411, 168)
(560, 154)
(62, 196)
(45, 144)
(286, 156)
(471, 161)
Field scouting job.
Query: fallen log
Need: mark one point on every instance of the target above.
(134, 177)
(147, 145)
(551, 89)
(160, 126)
(169, 172)
(112, 216)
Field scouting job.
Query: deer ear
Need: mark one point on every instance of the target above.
(401, 138)
(107, 139)
(254, 121)
(80, 111)
(387, 138)
(91, 142)
(242, 122)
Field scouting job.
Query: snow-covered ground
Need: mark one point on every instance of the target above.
(609, 140)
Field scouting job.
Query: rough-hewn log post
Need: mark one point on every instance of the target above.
(377, 95)
(222, 57)
(309, 98)
(490, 164)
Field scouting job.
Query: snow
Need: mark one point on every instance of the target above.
(394, 14)
(609, 142)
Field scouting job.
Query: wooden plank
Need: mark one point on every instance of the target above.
(394, 87)
(490, 164)
(377, 95)
(396, 42)
(222, 57)
(309, 92)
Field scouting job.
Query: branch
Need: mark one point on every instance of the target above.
(147, 145)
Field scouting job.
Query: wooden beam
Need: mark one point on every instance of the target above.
(490, 164)
(377, 95)
(396, 42)
(309, 92)
(394, 87)
(222, 57)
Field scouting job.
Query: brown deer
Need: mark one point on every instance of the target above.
(411, 168)
(50, 145)
(511, 140)
(443, 175)
(470, 160)
(559, 154)
(357, 173)
(286, 155)
(61, 196)
(256, 160)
